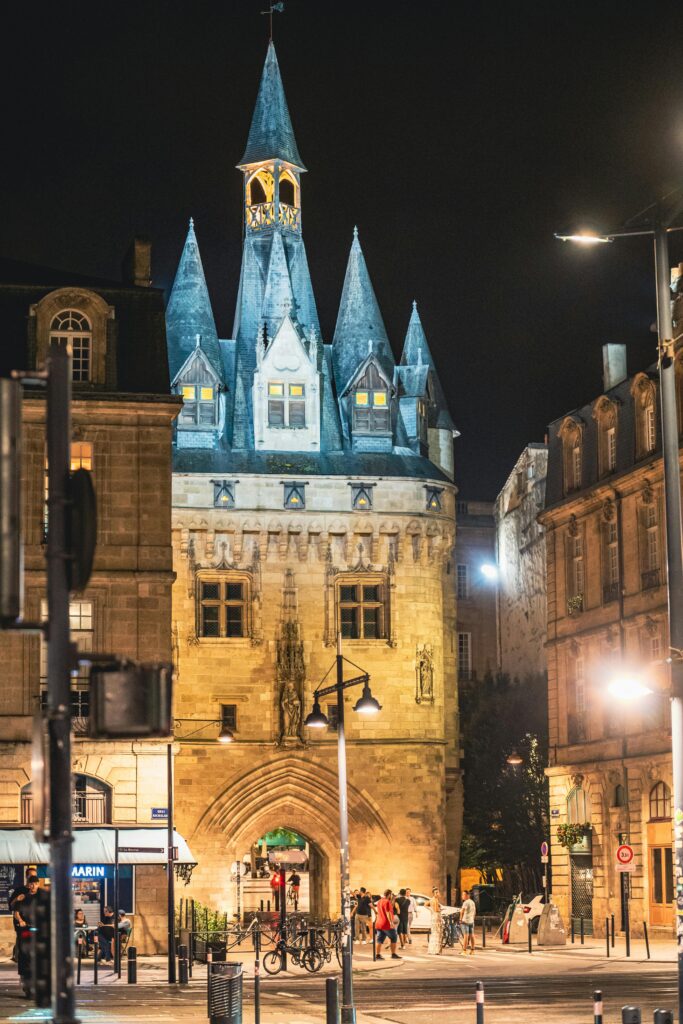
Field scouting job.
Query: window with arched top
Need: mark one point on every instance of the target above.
(619, 796)
(660, 802)
(287, 192)
(577, 807)
(650, 576)
(644, 395)
(74, 328)
(571, 435)
(605, 415)
(90, 801)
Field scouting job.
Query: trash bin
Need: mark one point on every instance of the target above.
(225, 993)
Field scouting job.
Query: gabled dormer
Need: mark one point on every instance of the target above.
(286, 391)
(202, 417)
(367, 408)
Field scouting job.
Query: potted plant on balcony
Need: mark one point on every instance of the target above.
(575, 604)
(572, 833)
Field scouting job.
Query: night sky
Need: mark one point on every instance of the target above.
(456, 136)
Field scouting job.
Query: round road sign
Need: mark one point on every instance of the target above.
(624, 854)
(544, 849)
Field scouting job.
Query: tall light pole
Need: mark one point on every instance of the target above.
(366, 704)
(674, 536)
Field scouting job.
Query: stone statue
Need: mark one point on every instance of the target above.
(425, 674)
(291, 710)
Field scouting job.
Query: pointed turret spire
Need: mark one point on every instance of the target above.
(415, 348)
(359, 322)
(189, 312)
(271, 135)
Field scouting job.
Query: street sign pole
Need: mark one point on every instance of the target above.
(544, 869)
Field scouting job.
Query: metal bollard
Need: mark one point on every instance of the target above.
(183, 969)
(597, 1007)
(374, 946)
(529, 935)
(209, 958)
(257, 976)
(132, 955)
(607, 936)
(612, 931)
(631, 1015)
(582, 928)
(483, 933)
(96, 957)
(664, 1017)
(80, 956)
(647, 940)
(331, 1001)
(479, 997)
(572, 928)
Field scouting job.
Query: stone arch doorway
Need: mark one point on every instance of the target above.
(286, 849)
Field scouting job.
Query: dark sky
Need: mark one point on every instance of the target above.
(458, 136)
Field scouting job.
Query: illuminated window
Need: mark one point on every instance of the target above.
(200, 407)
(362, 398)
(286, 408)
(433, 498)
(223, 606)
(295, 495)
(370, 403)
(379, 398)
(82, 632)
(223, 493)
(189, 392)
(576, 466)
(80, 458)
(361, 608)
(74, 328)
(361, 497)
(206, 394)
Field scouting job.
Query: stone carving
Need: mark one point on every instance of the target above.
(290, 668)
(291, 711)
(424, 665)
(573, 527)
(608, 510)
(648, 494)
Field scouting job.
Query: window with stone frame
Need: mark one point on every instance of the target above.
(286, 404)
(81, 457)
(578, 808)
(361, 497)
(200, 405)
(362, 606)
(370, 404)
(462, 578)
(433, 498)
(605, 415)
(223, 605)
(576, 571)
(571, 436)
(610, 572)
(650, 575)
(644, 394)
(294, 496)
(81, 626)
(577, 699)
(464, 656)
(660, 802)
(223, 493)
(229, 717)
(74, 328)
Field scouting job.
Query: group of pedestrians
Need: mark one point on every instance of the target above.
(468, 913)
(393, 915)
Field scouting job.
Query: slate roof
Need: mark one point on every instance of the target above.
(416, 351)
(189, 311)
(271, 135)
(359, 322)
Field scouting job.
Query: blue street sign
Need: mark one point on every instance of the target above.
(160, 814)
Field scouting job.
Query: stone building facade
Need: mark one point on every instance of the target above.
(122, 429)
(610, 764)
(312, 494)
(476, 585)
(520, 551)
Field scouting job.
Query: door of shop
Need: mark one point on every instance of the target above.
(661, 874)
(582, 891)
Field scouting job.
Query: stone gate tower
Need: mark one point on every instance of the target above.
(312, 495)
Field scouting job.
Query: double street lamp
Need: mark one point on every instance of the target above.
(659, 226)
(365, 705)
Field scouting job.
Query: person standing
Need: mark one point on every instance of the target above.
(468, 913)
(436, 924)
(363, 914)
(403, 904)
(21, 918)
(412, 910)
(385, 926)
(275, 887)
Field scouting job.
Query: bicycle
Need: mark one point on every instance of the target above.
(308, 957)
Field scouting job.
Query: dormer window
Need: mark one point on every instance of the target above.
(286, 404)
(371, 410)
(572, 444)
(199, 405)
(75, 329)
(645, 400)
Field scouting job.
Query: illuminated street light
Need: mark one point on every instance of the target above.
(585, 238)
(489, 571)
(628, 688)
(514, 758)
(366, 703)
(317, 719)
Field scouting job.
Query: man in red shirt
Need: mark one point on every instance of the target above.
(385, 925)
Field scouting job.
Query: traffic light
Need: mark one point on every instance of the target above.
(11, 551)
(41, 948)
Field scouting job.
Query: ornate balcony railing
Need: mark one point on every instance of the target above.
(610, 592)
(80, 709)
(262, 215)
(650, 579)
(86, 808)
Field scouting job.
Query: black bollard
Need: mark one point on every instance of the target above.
(479, 997)
(631, 1015)
(483, 933)
(607, 936)
(257, 976)
(132, 955)
(331, 1001)
(374, 947)
(597, 1007)
(582, 928)
(96, 957)
(528, 934)
(612, 931)
(209, 958)
(183, 969)
(664, 1017)
(80, 956)
(572, 928)
(647, 941)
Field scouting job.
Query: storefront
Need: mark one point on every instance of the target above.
(132, 858)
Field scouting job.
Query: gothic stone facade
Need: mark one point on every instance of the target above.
(312, 495)
(610, 765)
(122, 426)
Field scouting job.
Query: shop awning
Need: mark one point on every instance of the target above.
(96, 846)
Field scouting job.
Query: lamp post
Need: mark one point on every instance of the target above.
(366, 704)
(659, 231)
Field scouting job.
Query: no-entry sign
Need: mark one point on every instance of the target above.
(625, 858)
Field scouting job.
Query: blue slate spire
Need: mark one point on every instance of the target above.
(189, 311)
(415, 359)
(278, 297)
(360, 328)
(415, 348)
(271, 136)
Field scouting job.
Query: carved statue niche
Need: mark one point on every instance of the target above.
(424, 674)
(290, 669)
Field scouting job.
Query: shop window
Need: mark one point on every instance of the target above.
(223, 606)
(294, 495)
(433, 498)
(362, 612)
(223, 493)
(73, 327)
(464, 656)
(660, 802)
(361, 497)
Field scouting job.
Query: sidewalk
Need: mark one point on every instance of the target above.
(662, 951)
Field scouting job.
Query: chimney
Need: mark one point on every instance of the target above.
(613, 365)
(137, 263)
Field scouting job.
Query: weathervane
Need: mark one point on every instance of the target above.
(279, 7)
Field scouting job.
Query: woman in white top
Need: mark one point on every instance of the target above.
(436, 928)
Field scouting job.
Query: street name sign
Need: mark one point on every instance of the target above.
(625, 858)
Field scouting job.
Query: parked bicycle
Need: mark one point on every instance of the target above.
(300, 952)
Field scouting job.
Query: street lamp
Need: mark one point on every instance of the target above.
(368, 705)
(514, 758)
(658, 228)
(490, 572)
(628, 688)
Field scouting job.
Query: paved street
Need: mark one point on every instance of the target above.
(545, 988)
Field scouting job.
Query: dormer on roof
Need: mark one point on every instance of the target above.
(367, 406)
(286, 391)
(202, 418)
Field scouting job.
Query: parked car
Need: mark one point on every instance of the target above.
(533, 908)
(422, 918)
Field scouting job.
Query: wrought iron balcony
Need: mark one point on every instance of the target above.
(80, 709)
(610, 592)
(86, 808)
(650, 579)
